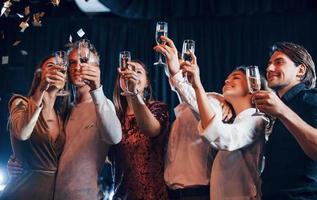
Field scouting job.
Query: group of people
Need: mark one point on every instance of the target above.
(216, 148)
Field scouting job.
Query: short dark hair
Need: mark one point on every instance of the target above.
(300, 56)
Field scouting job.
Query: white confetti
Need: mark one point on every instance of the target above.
(6, 8)
(24, 53)
(16, 43)
(21, 16)
(80, 33)
(5, 60)
(23, 26)
(70, 38)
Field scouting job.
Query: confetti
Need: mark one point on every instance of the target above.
(37, 19)
(23, 26)
(70, 38)
(27, 11)
(80, 33)
(6, 8)
(21, 16)
(16, 43)
(5, 60)
(55, 2)
(24, 53)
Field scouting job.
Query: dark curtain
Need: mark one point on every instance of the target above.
(149, 9)
(222, 43)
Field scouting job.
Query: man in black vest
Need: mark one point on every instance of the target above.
(291, 152)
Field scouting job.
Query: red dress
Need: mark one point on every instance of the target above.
(138, 160)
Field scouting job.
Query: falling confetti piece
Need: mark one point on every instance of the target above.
(21, 16)
(55, 2)
(16, 43)
(37, 19)
(24, 53)
(5, 60)
(70, 38)
(80, 33)
(27, 11)
(23, 26)
(6, 8)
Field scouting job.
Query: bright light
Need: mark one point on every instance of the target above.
(91, 6)
(1, 177)
(2, 180)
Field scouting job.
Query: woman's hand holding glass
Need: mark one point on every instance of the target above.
(131, 77)
(192, 70)
(168, 49)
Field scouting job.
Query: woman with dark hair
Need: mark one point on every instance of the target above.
(236, 168)
(138, 159)
(37, 134)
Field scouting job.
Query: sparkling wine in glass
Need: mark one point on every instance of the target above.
(254, 83)
(188, 47)
(124, 58)
(161, 30)
(61, 59)
(84, 50)
(84, 47)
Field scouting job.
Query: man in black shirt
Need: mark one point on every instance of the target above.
(291, 152)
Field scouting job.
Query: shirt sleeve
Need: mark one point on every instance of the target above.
(184, 90)
(107, 120)
(24, 114)
(231, 137)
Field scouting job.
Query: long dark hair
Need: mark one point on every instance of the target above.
(120, 102)
(62, 103)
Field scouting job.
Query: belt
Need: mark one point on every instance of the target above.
(189, 192)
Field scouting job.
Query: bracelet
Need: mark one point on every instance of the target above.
(136, 95)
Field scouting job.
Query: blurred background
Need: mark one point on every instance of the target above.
(228, 33)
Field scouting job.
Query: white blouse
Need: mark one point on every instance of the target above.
(237, 166)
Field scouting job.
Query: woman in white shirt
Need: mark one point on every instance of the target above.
(236, 168)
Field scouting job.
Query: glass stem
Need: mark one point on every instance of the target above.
(127, 86)
(160, 58)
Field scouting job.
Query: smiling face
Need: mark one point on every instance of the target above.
(143, 82)
(281, 71)
(235, 86)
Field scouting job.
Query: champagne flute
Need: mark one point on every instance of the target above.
(124, 58)
(254, 83)
(188, 47)
(84, 50)
(61, 59)
(161, 30)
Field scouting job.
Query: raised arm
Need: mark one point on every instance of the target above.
(184, 90)
(147, 121)
(24, 112)
(304, 133)
(231, 137)
(108, 122)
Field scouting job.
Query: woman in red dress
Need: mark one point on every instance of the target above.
(138, 160)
